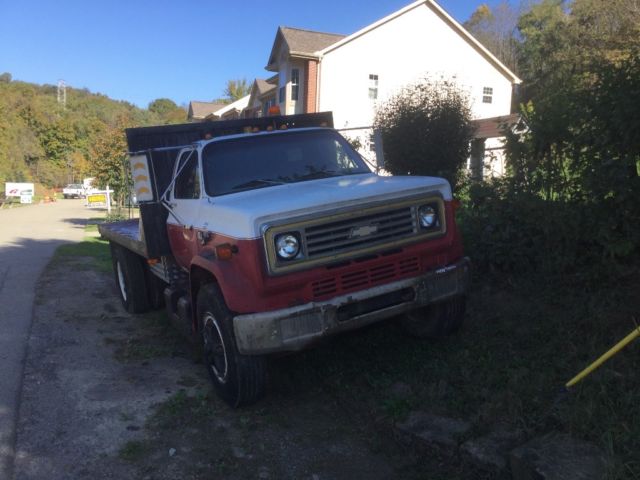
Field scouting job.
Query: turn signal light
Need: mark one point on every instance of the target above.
(225, 251)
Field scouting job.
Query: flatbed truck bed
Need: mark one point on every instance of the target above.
(125, 233)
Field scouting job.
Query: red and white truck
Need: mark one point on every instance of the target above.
(263, 236)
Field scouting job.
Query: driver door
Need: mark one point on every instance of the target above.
(184, 203)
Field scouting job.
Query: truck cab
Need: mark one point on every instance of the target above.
(281, 237)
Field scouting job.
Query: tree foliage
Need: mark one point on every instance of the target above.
(570, 198)
(166, 111)
(496, 29)
(426, 130)
(236, 89)
(43, 142)
(110, 153)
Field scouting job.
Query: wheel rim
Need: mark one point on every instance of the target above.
(214, 350)
(121, 282)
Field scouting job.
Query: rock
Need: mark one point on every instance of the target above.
(557, 457)
(491, 450)
(172, 452)
(433, 430)
(401, 390)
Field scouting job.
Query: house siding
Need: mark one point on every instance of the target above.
(417, 44)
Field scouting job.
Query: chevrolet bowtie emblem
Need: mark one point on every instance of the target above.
(363, 231)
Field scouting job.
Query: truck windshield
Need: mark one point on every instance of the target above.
(258, 161)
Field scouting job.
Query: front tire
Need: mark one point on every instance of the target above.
(238, 379)
(436, 320)
(130, 278)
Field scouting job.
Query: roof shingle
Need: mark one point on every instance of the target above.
(308, 41)
(200, 110)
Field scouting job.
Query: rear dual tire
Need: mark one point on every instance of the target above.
(129, 271)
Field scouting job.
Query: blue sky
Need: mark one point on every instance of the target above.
(140, 50)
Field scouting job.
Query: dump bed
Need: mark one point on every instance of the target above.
(160, 146)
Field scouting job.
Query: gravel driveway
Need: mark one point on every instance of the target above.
(28, 237)
(112, 395)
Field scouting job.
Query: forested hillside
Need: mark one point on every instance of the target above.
(52, 143)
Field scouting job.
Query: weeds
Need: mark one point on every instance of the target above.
(133, 450)
(181, 409)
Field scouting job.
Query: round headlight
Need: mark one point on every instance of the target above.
(427, 215)
(287, 246)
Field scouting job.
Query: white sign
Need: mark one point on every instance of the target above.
(12, 189)
(26, 198)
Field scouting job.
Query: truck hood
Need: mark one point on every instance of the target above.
(241, 215)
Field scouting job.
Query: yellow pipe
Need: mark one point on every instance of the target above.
(610, 353)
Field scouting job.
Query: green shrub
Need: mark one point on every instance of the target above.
(524, 233)
(426, 130)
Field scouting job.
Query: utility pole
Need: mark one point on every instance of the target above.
(62, 93)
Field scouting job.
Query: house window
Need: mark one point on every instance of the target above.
(487, 95)
(373, 86)
(281, 94)
(295, 83)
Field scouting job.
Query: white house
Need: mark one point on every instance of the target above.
(420, 40)
(350, 75)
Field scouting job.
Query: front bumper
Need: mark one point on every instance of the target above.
(294, 328)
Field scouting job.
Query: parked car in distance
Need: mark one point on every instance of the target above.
(74, 190)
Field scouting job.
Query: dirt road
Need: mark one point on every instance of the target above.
(28, 237)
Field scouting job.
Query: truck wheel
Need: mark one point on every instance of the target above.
(238, 379)
(129, 271)
(435, 320)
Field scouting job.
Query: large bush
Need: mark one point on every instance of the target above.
(426, 130)
(569, 202)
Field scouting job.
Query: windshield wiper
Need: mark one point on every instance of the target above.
(319, 174)
(258, 182)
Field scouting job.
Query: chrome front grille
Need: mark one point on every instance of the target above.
(352, 234)
(336, 237)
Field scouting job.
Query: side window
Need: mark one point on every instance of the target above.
(295, 83)
(373, 86)
(187, 185)
(487, 95)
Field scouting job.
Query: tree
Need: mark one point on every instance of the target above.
(162, 106)
(236, 89)
(5, 77)
(426, 130)
(110, 155)
(496, 29)
(166, 111)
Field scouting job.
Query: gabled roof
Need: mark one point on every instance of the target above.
(238, 105)
(262, 87)
(300, 43)
(438, 10)
(200, 110)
